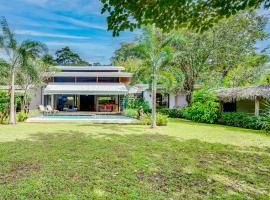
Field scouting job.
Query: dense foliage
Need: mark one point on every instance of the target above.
(136, 103)
(161, 119)
(173, 113)
(204, 108)
(4, 106)
(66, 56)
(169, 15)
(239, 119)
(130, 113)
(21, 116)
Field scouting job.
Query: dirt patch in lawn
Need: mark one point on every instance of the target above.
(19, 171)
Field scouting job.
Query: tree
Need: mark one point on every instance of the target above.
(18, 57)
(31, 76)
(155, 56)
(67, 57)
(49, 59)
(169, 15)
(233, 41)
(191, 56)
(209, 57)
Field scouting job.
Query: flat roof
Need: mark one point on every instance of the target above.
(87, 68)
(92, 74)
(86, 89)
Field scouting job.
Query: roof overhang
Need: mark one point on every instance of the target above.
(92, 74)
(87, 89)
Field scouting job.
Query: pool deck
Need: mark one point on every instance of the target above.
(91, 121)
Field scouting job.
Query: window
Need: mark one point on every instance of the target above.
(162, 100)
(86, 79)
(108, 79)
(64, 79)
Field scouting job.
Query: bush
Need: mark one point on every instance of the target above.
(239, 119)
(161, 119)
(204, 108)
(130, 113)
(21, 116)
(172, 113)
(136, 103)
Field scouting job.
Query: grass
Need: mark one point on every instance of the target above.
(183, 160)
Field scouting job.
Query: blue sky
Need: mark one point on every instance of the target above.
(74, 23)
(58, 23)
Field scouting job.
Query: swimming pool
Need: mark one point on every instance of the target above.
(83, 118)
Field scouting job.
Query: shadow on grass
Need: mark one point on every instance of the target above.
(144, 166)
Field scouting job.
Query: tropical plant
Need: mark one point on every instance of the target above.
(130, 112)
(169, 15)
(136, 103)
(155, 56)
(21, 116)
(161, 120)
(240, 119)
(4, 105)
(204, 108)
(172, 112)
(19, 56)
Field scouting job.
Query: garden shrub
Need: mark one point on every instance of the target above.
(136, 103)
(172, 113)
(4, 106)
(130, 113)
(240, 119)
(21, 116)
(161, 119)
(204, 108)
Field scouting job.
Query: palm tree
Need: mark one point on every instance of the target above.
(18, 57)
(154, 63)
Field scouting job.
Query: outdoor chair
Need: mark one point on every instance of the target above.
(51, 110)
(43, 110)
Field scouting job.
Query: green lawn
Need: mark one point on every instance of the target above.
(184, 160)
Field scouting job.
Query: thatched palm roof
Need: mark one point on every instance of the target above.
(242, 93)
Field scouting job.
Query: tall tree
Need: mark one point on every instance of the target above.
(18, 57)
(66, 56)
(169, 15)
(49, 59)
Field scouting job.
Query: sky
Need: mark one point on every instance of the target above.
(74, 23)
(59, 23)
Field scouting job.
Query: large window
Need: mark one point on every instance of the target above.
(64, 79)
(108, 79)
(86, 79)
(162, 100)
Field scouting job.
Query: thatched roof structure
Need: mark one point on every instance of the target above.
(242, 93)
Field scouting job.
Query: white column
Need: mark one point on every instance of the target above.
(52, 101)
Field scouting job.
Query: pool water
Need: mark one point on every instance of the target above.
(81, 117)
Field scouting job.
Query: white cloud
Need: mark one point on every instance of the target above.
(80, 45)
(83, 23)
(44, 34)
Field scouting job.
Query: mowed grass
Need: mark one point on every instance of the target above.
(183, 160)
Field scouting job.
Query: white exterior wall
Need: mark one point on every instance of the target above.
(147, 97)
(172, 100)
(36, 98)
(175, 101)
(180, 100)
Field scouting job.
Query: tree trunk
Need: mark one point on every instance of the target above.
(189, 88)
(154, 102)
(12, 97)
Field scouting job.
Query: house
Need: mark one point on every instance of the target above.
(95, 89)
(249, 99)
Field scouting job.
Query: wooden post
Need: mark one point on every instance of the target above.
(257, 106)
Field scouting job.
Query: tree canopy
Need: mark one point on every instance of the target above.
(66, 56)
(169, 14)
